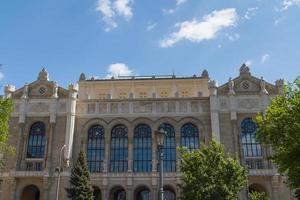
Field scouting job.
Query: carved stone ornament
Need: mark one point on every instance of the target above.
(244, 69)
(231, 86)
(55, 90)
(25, 91)
(263, 89)
(205, 74)
(43, 75)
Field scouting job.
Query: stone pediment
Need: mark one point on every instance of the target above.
(245, 83)
(41, 88)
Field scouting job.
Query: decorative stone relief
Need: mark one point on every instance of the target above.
(91, 108)
(194, 106)
(182, 106)
(39, 107)
(171, 106)
(142, 107)
(124, 107)
(102, 107)
(113, 107)
(248, 103)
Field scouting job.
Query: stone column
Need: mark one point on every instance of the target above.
(19, 147)
(177, 140)
(130, 150)
(129, 192)
(213, 99)
(106, 163)
(73, 89)
(105, 193)
(48, 158)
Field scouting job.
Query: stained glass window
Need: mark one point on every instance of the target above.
(142, 148)
(169, 195)
(190, 136)
(251, 147)
(95, 148)
(169, 164)
(36, 141)
(119, 149)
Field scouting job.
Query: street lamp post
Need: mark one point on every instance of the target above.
(58, 170)
(160, 137)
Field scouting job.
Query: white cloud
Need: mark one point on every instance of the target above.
(1, 76)
(249, 63)
(288, 3)
(151, 26)
(250, 13)
(118, 69)
(197, 31)
(123, 8)
(265, 58)
(233, 37)
(178, 2)
(111, 9)
(168, 11)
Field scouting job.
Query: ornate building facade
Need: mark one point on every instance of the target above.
(114, 121)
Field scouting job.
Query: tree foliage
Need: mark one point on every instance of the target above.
(5, 109)
(280, 128)
(258, 196)
(81, 187)
(209, 174)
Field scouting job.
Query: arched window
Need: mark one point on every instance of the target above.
(143, 194)
(95, 148)
(96, 193)
(142, 148)
(119, 149)
(251, 147)
(169, 148)
(36, 141)
(190, 136)
(169, 195)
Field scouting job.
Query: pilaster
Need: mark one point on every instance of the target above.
(215, 124)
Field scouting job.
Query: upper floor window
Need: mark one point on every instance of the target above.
(123, 95)
(190, 136)
(143, 95)
(251, 147)
(169, 148)
(142, 148)
(36, 141)
(95, 148)
(163, 94)
(184, 93)
(119, 149)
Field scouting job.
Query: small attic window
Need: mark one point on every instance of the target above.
(42, 90)
(245, 85)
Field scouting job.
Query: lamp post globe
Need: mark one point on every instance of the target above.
(160, 139)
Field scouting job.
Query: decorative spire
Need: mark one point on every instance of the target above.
(82, 77)
(244, 69)
(231, 86)
(205, 74)
(263, 89)
(43, 75)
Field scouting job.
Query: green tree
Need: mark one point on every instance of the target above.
(209, 174)
(81, 187)
(279, 127)
(258, 196)
(5, 109)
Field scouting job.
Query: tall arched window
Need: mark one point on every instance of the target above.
(36, 141)
(119, 149)
(95, 148)
(190, 136)
(142, 148)
(169, 148)
(251, 147)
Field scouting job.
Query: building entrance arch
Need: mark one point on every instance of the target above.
(30, 192)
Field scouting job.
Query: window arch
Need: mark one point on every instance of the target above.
(36, 141)
(142, 148)
(169, 194)
(119, 149)
(95, 148)
(251, 146)
(169, 148)
(190, 136)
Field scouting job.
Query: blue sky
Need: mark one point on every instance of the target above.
(147, 37)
